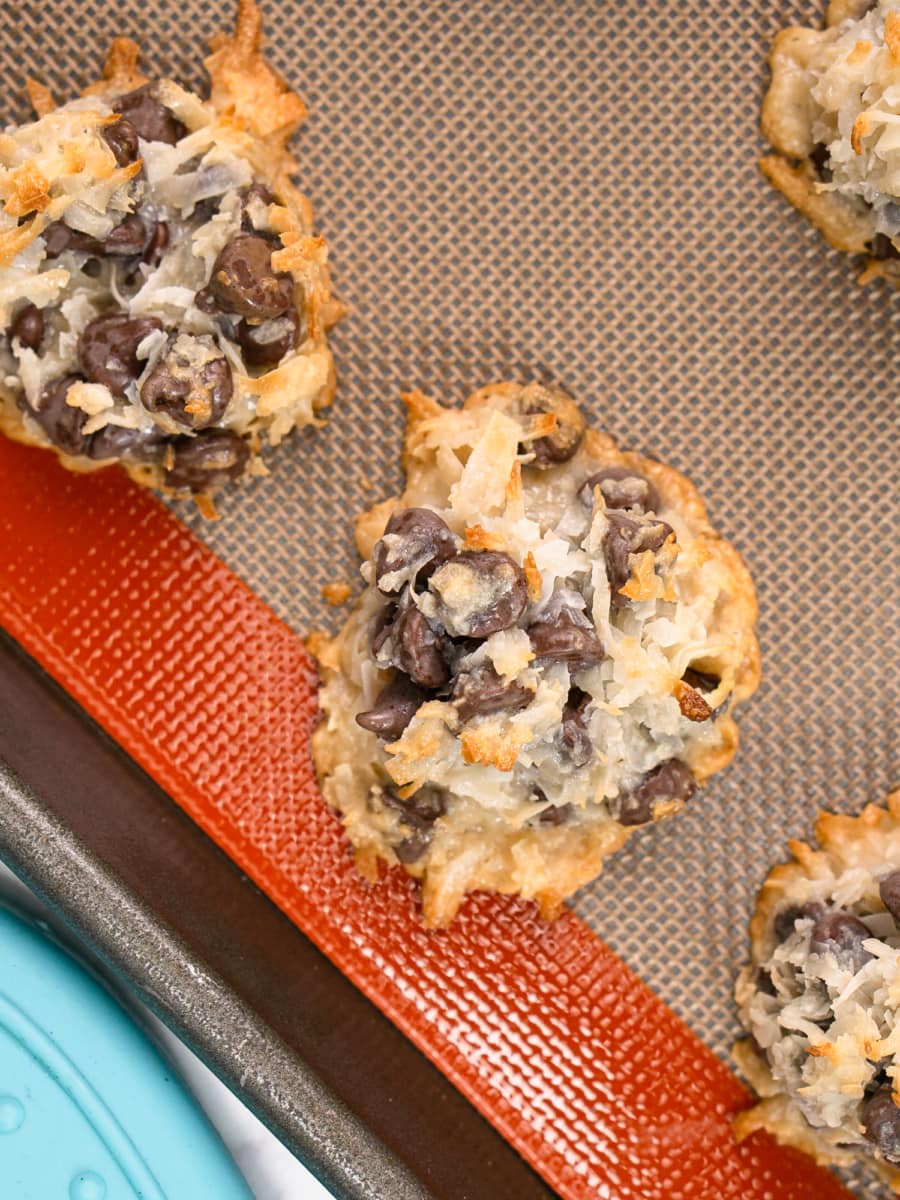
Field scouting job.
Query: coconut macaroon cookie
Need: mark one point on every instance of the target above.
(821, 995)
(832, 114)
(548, 653)
(163, 302)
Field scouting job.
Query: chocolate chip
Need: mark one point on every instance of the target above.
(151, 120)
(574, 732)
(889, 890)
(267, 343)
(412, 646)
(394, 707)
(764, 982)
(625, 537)
(207, 461)
(566, 636)
(191, 382)
(882, 248)
(108, 347)
(28, 327)
(481, 691)
(159, 239)
(61, 422)
(670, 780)
(255, 192)
(841, 934)
(560, 445)
(122, 139)
(621, 487)
(479, 592)
(701, 681)
(415, 541)
(127, 238)
(243, 281)
(419, 812)
(785, 921)
(820, 157)
(127, 445)
(881, 1123)
(556, 814)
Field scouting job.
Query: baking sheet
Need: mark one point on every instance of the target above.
(570, 191)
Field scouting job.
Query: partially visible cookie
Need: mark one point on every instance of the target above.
(832, 114)
(820, 997)
(163, 301)
(548, 654)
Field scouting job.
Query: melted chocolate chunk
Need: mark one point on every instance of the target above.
(127, 445)
(889, 890)
(150, 120)
(28, 327)
(621, 488)
(785, 921)
(700, 681)
(481, 691)
(108, 347)
(419, 811)
(207, 461)
(556, 814)
(881, 1122)
(416, 541)
(244, 282)
(560, 445)
(625, 537)
(191, 382)
(574, 733)
(127, 238)
(267, 343)
(882, 248)
(256, 191)
(479, 592)
(841, 934)
(159, 239)
(61, 422)
(566, 636)
(394, 707)
(412, 646)
(820, 157)
(122, 139)
(670, 780)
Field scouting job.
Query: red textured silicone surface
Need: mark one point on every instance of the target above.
(595, 1081)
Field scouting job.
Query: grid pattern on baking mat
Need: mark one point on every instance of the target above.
(569, 190)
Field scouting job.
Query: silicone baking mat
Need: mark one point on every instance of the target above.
(561, 190)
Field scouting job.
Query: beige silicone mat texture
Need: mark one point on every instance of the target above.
(569, 190)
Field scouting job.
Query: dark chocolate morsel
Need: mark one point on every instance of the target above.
(419, 812)
(881, 1122)
(28, 327)
(244, 282)
(417, 650)
(574, 731)
(670, 780)
(417, 540)
(479, 592)
(882, 248)
(566, 636)
(556, 814)
(889, 890)
(61, 422)
(820, 157)
(207, 461)
(122, 138)
(159, 239)
(394, 707)
(150, 120)
(621, 488)
(107, 350)
(701, 681)
(841, 934)
(560, 445)
(267, 343)
(785, 920)
(256, 191)
(625, 537)
(191, 382)
(129, 237)
(126, 445)
(481, 691)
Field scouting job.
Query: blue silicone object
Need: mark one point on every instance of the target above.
(89, 1109)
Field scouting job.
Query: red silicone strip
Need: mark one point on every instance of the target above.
(594, 1080)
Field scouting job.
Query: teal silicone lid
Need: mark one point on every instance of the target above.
(89, 1109)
